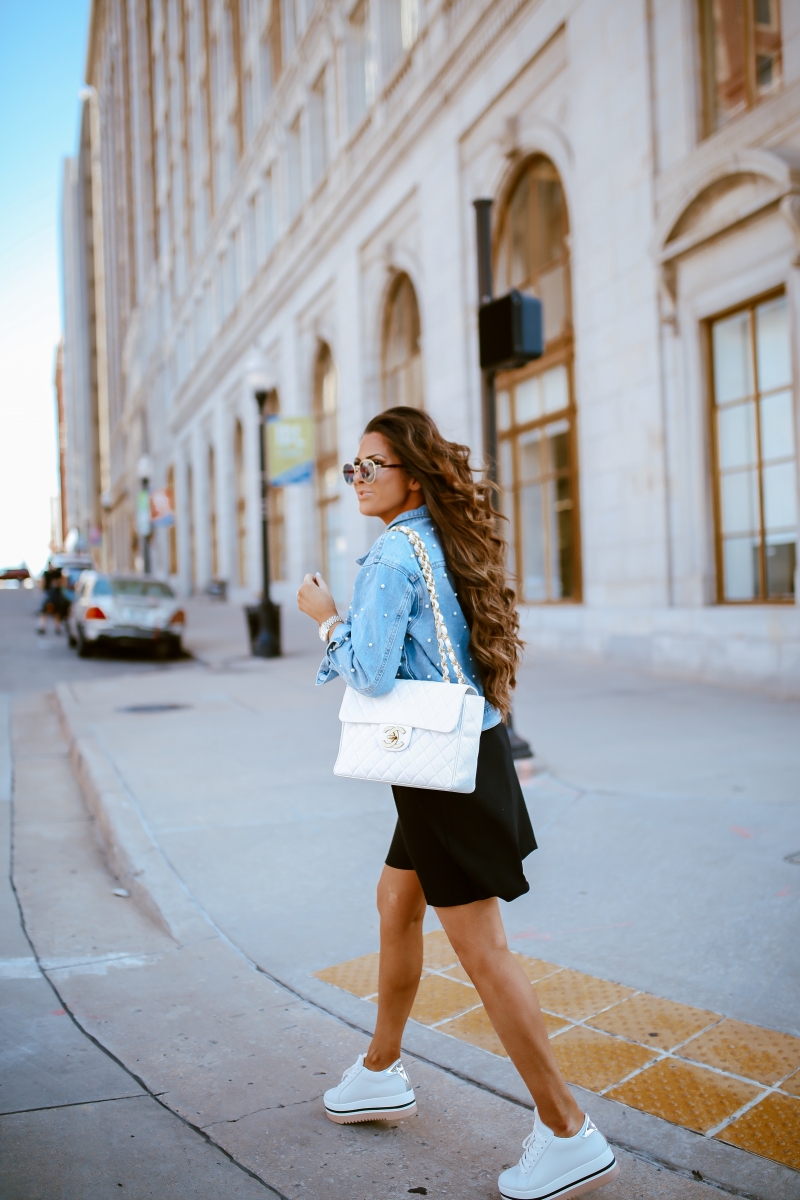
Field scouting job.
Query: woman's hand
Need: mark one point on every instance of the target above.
(315, 599)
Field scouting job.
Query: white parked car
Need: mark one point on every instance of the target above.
(129, 610)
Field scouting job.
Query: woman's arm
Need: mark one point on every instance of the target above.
(366, 650)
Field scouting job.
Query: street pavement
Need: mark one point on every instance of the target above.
(663, 819)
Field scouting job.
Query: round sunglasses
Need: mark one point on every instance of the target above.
(366, 469)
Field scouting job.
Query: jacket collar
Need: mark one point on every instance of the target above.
(413, 514)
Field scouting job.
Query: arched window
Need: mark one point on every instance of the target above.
(172, 533)
(536, 405)
(241, 505)
(276, 508)
(402, 359)
(328, 473)
(192, 537)
(212, 514)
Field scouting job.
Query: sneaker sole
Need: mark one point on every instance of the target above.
(576, 1189)
(372, 1114)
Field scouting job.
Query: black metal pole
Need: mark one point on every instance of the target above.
(268, 642)
(146, 536)
(483, 222)
(483, 226)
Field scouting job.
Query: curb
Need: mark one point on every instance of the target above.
(133, 853)
(141, 866)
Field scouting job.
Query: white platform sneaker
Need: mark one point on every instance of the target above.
(365, 1095)
(559, 1167)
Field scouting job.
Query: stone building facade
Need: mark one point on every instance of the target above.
(285, 192)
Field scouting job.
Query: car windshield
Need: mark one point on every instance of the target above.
(140, 587)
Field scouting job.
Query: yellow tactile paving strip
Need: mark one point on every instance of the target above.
(720, 1077)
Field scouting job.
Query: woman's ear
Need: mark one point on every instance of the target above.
(414, 485)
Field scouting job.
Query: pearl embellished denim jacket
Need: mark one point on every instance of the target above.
(389, 632)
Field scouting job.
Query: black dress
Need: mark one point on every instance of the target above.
(467, 846)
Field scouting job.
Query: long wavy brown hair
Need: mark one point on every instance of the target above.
(463, 511)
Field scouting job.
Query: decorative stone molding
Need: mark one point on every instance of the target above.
(721, 196)
(790, 211)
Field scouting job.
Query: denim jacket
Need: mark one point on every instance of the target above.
(389, 632)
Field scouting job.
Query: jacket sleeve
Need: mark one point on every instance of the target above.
(367, 649)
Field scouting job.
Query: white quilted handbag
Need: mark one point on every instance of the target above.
(419, 734)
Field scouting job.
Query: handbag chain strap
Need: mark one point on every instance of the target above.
(446, 651)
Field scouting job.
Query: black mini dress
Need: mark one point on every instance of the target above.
(467, 846)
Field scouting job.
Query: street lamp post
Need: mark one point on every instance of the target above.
(144, 526)
(268, 642)
(483, 224)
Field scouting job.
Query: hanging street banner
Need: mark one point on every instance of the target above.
(143, 523)
(290, 450)
(162, 508)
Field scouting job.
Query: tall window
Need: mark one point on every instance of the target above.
(328, 476)
(402, 360)
(241, 504)
(742, 61)
(536, 405)
(318, 130)
(276, 510)
(270, 51)
(172, 533)
(357, 65)
(294, 168)
(192, 536)
(754, 445)
(399, 30)
(212, 513)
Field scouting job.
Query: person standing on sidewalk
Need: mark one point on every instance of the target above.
(54, 602)
(457, 852)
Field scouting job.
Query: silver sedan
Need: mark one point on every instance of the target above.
(127, 610)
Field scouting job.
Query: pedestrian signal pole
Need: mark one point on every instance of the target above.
(509, 335)
(268, 642)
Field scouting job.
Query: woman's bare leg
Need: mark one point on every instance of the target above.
(401, 905)
(477, 935)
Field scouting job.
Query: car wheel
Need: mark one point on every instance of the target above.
(84, 648)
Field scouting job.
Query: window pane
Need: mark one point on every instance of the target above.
(740, 565)
(780, 496)
(548, 217)
(553, 294)
(730, 71)
(555, 389)
(530, 457)
(733, 376)
(740, 502)
(506, 464)
(767, 45)
(781, 565)
(528, 400)
(736, 435)
(558, 446)
(772, 345)
(503, 410)
(777, 426)
(521, 264)
(534, 587)
(505, 502)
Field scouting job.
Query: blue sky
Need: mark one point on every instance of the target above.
(42, 57)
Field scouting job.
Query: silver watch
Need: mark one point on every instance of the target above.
(326, 625)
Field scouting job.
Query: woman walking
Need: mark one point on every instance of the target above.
(458, 852)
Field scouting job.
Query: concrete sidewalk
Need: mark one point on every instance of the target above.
(179, 1070)
(663, 829)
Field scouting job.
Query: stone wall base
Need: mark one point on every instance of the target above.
(752, 646)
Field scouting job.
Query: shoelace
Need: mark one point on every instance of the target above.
(532, 1149)
(351, 1071)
